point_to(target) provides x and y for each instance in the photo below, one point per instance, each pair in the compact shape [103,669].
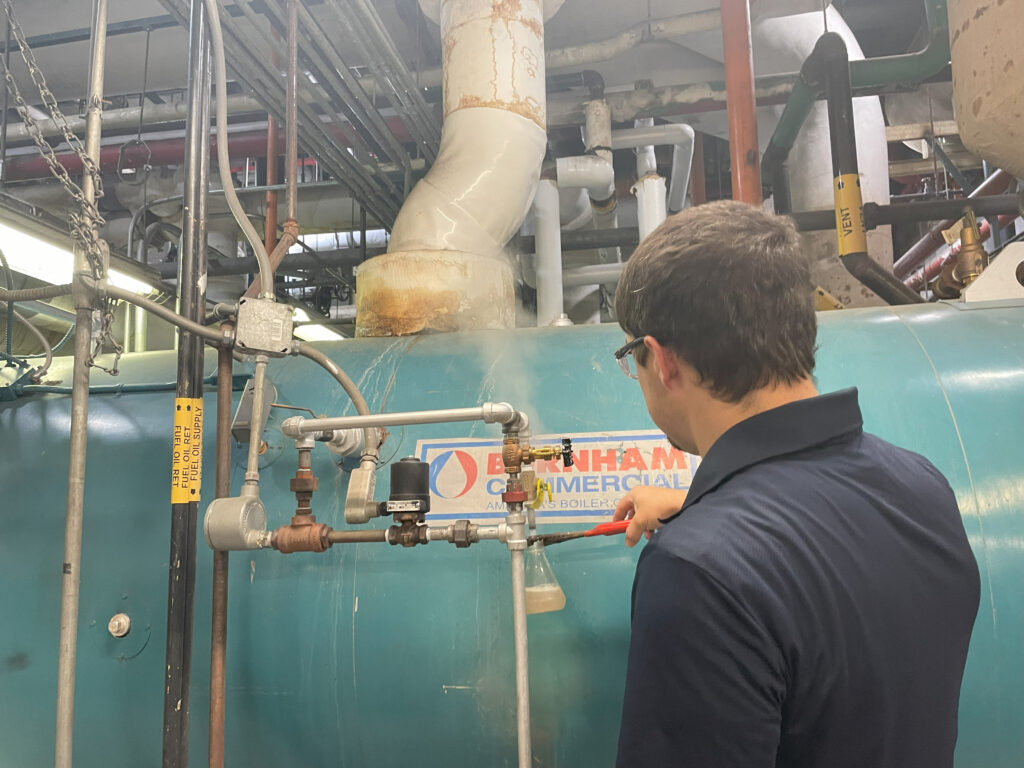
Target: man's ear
[667,366]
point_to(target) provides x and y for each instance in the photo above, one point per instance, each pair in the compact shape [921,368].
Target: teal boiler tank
[370,655]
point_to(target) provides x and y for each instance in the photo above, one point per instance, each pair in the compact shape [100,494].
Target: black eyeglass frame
[625,349]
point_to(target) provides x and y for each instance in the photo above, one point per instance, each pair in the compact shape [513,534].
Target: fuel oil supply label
[467,477]
[187,456]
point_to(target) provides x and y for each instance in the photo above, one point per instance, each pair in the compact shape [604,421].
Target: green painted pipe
[867,73]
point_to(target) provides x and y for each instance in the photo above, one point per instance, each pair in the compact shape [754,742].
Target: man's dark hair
[726,287]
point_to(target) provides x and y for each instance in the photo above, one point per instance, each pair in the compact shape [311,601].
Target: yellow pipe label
[187,456]
[849,214]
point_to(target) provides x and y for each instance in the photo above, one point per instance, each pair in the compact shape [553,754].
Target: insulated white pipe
[680,136]
[548,252]
[650,203]
[590,172]
[444,268]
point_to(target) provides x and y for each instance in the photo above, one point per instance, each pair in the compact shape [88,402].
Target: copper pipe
[698,193]
[219,620]
[744,153]
[270,223]
[995,184]
[291,111]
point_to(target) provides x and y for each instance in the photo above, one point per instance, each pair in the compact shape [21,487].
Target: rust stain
[406,312]
[976,105]
[528,107]
[512,10]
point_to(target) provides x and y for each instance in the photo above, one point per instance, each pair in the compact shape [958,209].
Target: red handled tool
[604,529]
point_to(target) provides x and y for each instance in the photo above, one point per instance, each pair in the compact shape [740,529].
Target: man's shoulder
[782,502]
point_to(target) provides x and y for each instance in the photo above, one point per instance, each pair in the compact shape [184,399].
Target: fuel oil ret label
[467,477]
[187,456]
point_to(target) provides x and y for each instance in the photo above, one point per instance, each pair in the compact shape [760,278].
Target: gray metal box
[264,326]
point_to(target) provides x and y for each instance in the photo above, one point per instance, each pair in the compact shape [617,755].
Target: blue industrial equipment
[370,655]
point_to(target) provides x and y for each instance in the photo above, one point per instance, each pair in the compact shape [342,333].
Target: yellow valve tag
[543,486]
[187,456]
[849,214]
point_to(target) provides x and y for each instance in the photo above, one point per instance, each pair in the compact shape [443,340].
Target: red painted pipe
[919,279]
[744,154]
[995,184]
[167,152]
[164,152]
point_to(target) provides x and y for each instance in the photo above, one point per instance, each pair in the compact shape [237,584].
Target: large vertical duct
[445,269]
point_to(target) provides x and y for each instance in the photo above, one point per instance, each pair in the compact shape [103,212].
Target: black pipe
[830,56]
[876,215]
[188,397]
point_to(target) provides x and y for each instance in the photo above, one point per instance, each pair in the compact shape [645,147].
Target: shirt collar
[790,428]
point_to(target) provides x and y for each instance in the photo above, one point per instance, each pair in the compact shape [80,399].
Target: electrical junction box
[263,327]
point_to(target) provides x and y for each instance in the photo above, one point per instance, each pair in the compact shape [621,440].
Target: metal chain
[85,223]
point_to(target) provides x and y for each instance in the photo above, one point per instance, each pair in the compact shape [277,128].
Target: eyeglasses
[623,355]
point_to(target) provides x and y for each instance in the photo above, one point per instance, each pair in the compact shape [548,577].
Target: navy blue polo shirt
[810,605]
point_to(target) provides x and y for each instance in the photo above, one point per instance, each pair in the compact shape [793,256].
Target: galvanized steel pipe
[489,413]
[71,569]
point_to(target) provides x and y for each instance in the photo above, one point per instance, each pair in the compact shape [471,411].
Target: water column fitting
[304,534]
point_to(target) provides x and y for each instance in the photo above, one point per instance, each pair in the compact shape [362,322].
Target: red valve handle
[608,529]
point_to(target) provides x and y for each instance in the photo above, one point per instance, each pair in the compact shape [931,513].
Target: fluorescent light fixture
[312,332]
[47,262]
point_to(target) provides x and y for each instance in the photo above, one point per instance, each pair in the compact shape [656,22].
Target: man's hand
[645,505]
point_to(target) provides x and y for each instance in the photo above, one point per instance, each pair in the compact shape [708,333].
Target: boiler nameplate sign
[467,476]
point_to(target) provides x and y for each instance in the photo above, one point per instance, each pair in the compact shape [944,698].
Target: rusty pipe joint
[303,535]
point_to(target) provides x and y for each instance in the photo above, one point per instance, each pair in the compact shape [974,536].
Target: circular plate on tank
[139,635]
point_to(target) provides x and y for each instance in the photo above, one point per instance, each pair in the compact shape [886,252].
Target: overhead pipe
[291,162]
[698,191]
[78,433]
[831,59]
[879,215]
[680,137]
[156,153]
[874,74]
[444,269]
[744,157]
[548,261]
[188,397]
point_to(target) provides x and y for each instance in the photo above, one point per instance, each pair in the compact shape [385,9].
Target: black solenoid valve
[410,489]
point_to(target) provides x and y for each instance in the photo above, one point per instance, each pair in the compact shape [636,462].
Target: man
[809,602]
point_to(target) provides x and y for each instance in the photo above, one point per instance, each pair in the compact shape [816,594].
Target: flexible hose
[36,294]
[223,163]
[47,349]
[370,449]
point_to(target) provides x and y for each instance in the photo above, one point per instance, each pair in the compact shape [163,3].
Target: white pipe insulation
[548,252]
[445,269]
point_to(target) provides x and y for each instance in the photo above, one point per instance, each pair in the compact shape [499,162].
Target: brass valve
[973,257]
[514,455]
